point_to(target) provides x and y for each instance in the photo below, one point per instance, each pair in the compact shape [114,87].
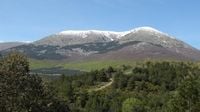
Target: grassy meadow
[79,65]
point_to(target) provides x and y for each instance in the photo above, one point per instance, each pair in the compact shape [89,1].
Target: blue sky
[30,20]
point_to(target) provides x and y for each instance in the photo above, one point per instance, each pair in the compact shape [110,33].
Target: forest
[150,86]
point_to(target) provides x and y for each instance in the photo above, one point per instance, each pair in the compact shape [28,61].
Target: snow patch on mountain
[151,30]
[111,34]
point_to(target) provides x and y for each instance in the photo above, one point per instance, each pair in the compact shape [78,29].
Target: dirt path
[104,86]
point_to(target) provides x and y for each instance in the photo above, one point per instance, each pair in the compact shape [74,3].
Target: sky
[30,20]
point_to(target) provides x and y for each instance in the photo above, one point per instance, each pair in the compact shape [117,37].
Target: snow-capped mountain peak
[72,37]
[151,30]
[83,34]
[147,28]
[142,42]
[110,34]
[79,32]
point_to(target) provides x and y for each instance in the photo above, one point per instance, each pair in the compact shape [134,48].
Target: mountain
[139,43]
[7,45]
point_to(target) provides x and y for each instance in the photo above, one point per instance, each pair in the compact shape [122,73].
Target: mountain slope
[139,43]
[78,37]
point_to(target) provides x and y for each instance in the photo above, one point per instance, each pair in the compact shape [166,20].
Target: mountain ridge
[142,42]
[70,36]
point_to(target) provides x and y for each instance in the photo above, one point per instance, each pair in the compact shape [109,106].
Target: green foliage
[148,87]
[24,92]
[187,96]
[133,105]
[151,87]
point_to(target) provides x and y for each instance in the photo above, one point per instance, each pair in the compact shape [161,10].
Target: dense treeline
[163,86]
[148,87]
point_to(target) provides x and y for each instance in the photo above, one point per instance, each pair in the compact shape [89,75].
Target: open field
[96,65]
[79,65]
[37,64]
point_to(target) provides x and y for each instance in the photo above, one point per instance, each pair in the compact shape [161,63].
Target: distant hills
[139,43]
[8,45]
